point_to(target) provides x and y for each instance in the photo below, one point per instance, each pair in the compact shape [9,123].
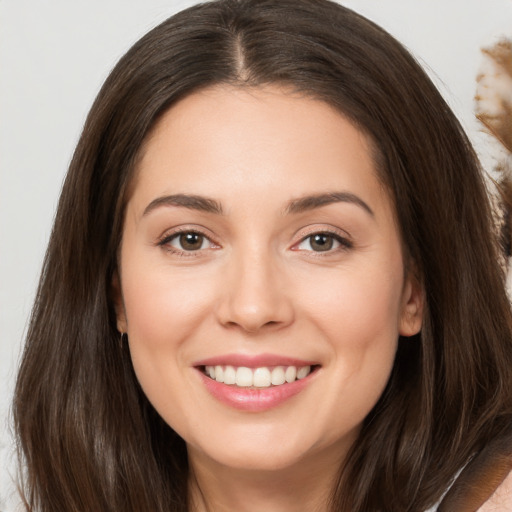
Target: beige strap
[479,479]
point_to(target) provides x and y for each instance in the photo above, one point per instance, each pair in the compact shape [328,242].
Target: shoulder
[501,500]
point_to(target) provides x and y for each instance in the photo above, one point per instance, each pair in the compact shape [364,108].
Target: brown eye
[321,242]
[187,243]
[191,241]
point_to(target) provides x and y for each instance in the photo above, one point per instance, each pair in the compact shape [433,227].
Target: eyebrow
[306,203]
[191,201]
[299,205]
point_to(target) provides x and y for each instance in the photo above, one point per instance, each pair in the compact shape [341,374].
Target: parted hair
[88,438]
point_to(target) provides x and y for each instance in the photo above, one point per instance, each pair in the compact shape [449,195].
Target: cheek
[358,316]
[352,316]
[356,307]
[163,309]
[160,301]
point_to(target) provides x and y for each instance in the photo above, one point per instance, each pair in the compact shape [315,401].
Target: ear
[117,300]
[413,300]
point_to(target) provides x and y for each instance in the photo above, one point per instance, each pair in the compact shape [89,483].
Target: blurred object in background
[494,110]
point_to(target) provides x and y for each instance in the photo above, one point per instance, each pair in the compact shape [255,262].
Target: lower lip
[253,399]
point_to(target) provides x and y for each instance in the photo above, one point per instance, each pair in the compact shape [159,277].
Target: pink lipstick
[255,383]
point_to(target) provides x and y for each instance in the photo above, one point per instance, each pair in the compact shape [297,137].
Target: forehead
[255,138]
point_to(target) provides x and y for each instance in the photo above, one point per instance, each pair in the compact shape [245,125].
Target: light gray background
[54,55]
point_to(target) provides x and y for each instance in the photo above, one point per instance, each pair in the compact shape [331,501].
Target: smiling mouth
[257,378]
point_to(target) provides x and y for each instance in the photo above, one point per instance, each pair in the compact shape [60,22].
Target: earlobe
[413,299]
[117,300]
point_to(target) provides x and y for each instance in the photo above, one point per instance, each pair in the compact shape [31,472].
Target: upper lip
[254,361]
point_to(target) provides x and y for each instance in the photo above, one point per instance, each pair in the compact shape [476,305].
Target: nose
[255,297]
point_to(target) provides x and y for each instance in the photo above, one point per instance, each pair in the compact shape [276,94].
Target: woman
[272,282]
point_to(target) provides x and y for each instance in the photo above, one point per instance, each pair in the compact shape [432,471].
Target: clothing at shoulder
[500,501]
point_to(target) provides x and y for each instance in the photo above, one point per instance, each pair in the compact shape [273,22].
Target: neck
[307,485]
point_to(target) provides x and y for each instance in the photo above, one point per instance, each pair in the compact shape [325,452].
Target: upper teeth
[258,377]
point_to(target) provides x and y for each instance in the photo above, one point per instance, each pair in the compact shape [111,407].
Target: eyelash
[165,241]
[344,243]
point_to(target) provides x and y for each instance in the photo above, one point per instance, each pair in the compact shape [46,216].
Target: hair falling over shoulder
[89,439]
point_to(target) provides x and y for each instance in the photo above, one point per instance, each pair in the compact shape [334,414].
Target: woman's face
[260,249]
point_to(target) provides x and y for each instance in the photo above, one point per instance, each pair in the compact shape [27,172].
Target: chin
[254,451]
[259,461]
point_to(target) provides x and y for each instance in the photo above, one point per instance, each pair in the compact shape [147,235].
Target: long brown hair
[88,437]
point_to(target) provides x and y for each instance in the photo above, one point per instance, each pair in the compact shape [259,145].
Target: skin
[258,285]
[501,500]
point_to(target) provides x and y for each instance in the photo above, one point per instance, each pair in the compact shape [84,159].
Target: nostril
[252,298]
